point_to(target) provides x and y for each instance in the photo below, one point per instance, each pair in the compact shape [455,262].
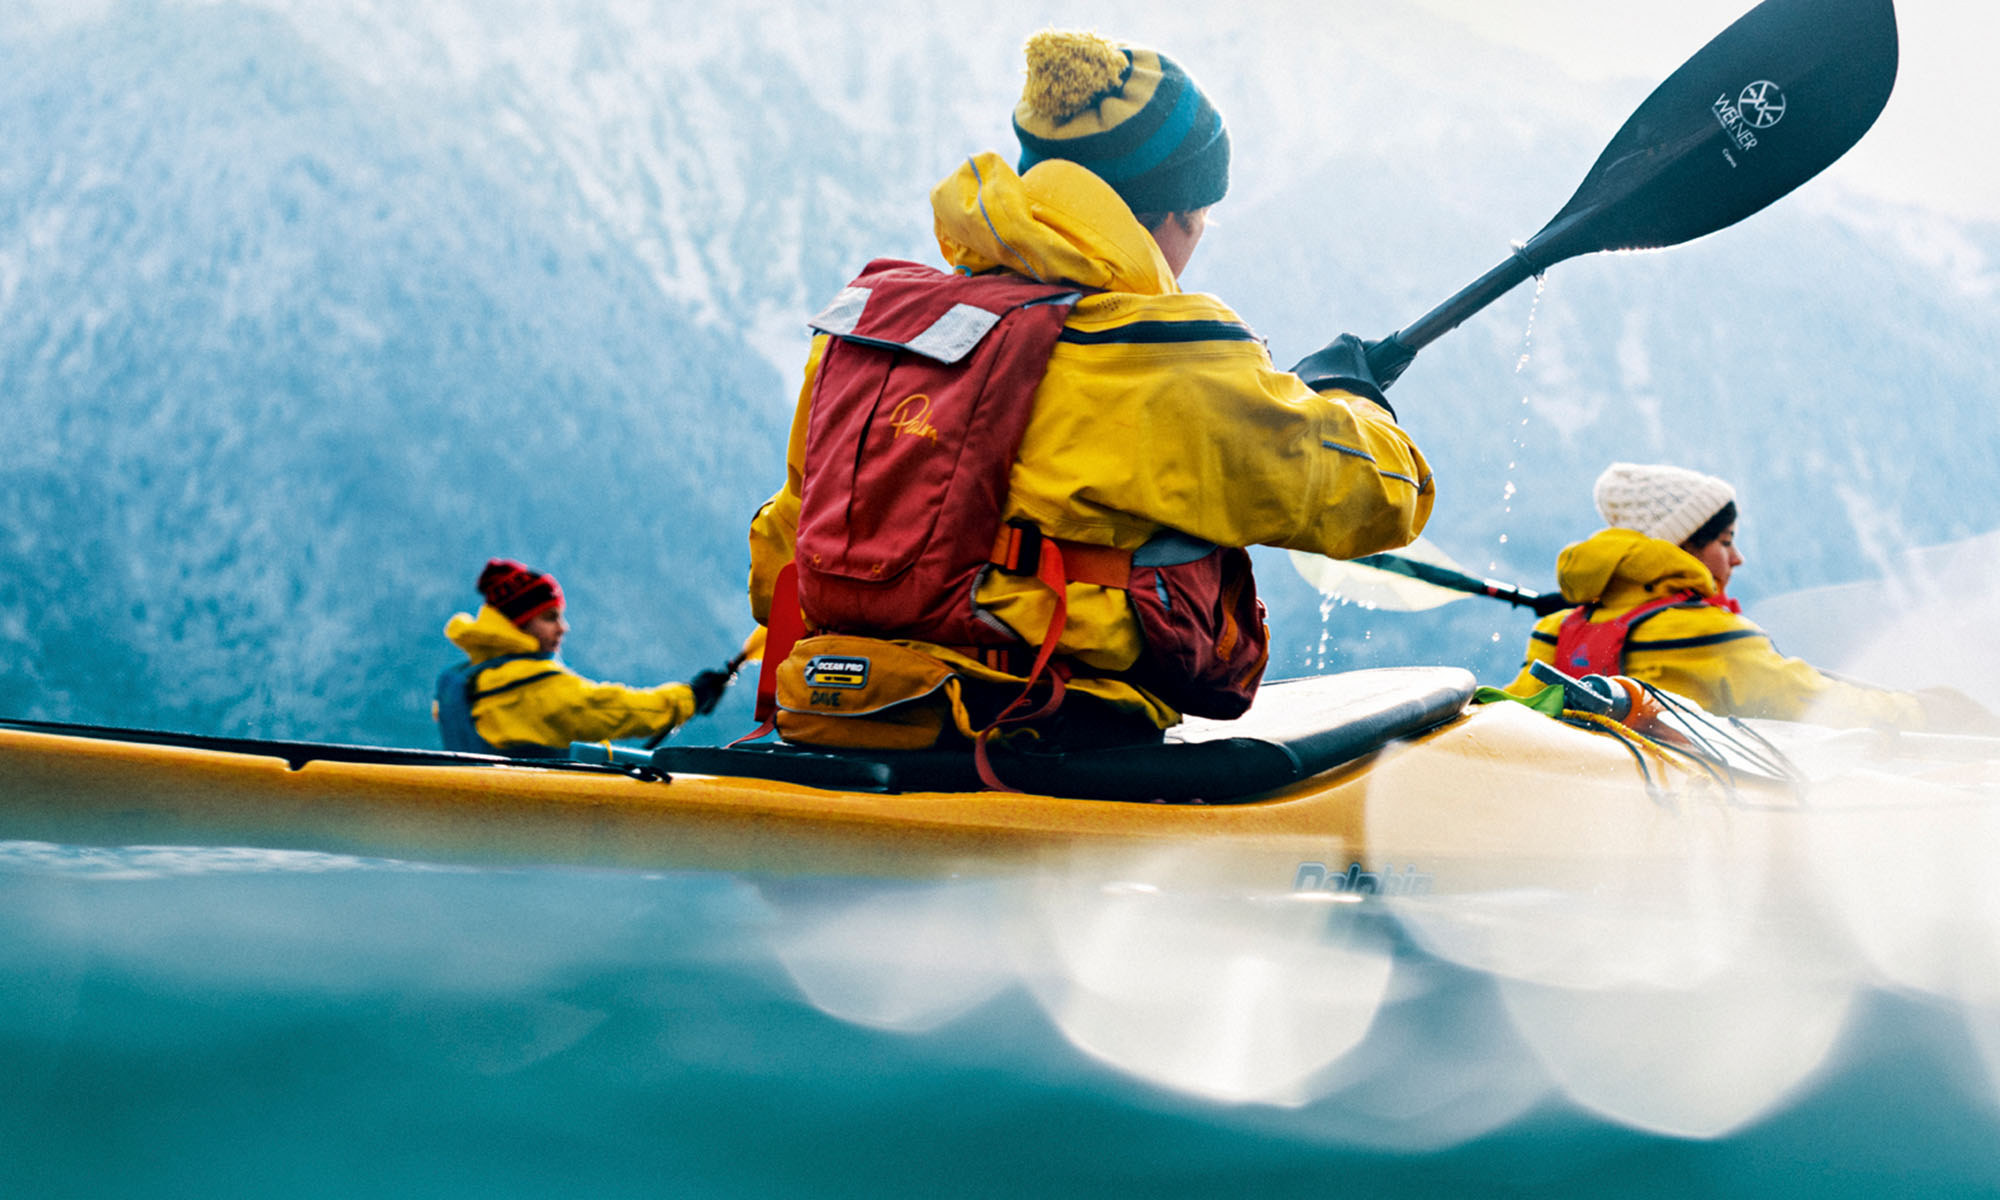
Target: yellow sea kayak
[1378,782]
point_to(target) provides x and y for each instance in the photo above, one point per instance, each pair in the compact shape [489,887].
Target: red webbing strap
[1050,571]
[782,632]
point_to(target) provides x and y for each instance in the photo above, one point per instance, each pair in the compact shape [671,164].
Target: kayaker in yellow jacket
[1160,410]
[514,696]
[1672,543]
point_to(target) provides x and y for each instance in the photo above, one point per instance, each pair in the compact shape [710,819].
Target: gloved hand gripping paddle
[708,687]
[1348,363]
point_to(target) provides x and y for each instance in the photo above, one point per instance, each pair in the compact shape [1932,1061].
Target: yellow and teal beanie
[1130,115]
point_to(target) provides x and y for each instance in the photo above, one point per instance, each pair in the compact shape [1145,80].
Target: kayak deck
[1296,729]
[1485,799]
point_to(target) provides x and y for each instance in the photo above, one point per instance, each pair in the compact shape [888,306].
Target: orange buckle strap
[1018,551]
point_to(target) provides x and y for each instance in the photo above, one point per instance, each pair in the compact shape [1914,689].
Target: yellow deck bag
[865,693]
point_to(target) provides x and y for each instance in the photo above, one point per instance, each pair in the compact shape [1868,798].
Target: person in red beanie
[513,695]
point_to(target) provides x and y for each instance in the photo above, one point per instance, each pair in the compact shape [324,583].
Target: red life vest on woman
[1587,648]
[921,399]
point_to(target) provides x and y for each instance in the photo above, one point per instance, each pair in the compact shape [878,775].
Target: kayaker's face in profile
[548,629]
[1178,235]
[1720,556]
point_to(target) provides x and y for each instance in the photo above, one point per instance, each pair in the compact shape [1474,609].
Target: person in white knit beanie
[1649,600]
[1694,511]
[1668,503]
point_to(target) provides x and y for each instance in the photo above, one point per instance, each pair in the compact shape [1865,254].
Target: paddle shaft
[734,665]
[1541,603]
[1453,312]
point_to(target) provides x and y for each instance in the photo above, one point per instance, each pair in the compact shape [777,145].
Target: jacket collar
[1058,222]
[488,635]
[1621,567]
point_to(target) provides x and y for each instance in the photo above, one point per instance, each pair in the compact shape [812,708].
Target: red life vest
[1584,647]
[922,396]
[919,406]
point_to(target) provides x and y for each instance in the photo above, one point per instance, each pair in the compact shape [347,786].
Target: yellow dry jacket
[561,708]
[1715,657]
[1160,410]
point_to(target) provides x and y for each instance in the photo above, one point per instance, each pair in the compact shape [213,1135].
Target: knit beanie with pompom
[1129,115]
[1669,503]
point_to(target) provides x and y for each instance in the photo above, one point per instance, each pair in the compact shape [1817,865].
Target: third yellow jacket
[1160,410]
[1717,658]
[563,707]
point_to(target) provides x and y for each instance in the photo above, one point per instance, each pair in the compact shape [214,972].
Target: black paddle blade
[1768,104]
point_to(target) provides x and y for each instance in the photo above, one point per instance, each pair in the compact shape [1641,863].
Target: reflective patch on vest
[949,338]
[953,335]
[843,315]
[829,671]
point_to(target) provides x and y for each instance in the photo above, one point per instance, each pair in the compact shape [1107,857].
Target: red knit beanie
[519,593]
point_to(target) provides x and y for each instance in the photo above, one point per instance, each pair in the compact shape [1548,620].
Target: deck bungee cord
[1647,719]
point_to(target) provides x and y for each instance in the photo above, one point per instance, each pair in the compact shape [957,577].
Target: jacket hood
[488,635]
[1615,566]
[1057,222]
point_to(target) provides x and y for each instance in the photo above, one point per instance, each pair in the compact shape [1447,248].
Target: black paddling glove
[708,687]
[1352,365]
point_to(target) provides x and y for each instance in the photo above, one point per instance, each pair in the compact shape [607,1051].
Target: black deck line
[298,754]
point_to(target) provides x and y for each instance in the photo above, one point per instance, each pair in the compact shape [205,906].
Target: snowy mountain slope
[310,306]
[283,369]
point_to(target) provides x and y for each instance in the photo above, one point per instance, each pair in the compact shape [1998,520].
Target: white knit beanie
[1668,503]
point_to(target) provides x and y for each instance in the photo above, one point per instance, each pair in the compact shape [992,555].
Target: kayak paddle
[1771,102]
[1418,577]
[752,651]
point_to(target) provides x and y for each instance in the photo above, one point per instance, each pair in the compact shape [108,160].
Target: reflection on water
[1231,1003]
[230,1021]
[1697,1061]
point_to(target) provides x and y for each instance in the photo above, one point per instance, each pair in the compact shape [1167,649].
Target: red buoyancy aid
[923,394]
[918,409]
[1584,647]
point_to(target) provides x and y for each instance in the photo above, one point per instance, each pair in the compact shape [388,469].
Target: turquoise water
[218,1022]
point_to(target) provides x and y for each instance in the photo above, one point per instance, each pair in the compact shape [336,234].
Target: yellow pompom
[1067,70]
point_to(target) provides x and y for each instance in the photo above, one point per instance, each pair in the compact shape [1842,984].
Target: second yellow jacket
[1717,658]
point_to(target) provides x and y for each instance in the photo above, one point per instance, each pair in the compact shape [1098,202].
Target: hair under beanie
[1669,503]
[521,594]
[1131,116]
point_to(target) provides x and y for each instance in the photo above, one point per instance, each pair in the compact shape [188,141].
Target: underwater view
[1814,1018]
